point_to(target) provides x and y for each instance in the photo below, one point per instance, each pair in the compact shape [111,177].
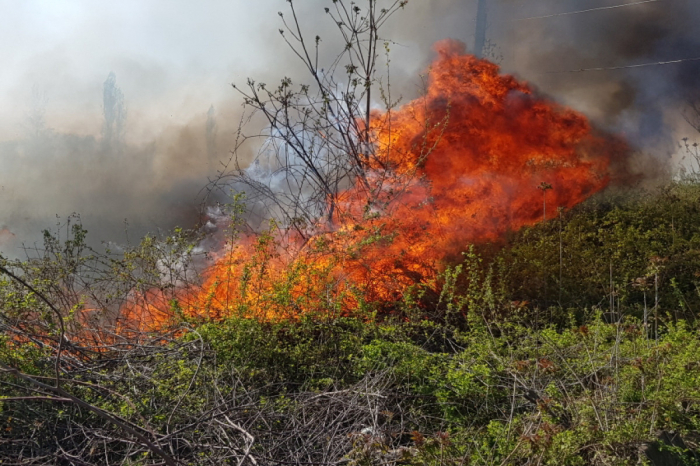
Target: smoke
[644,102]
[120,187]
[120,112]
[114,115]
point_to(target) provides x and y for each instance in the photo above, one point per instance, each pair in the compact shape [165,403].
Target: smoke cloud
[121,111]
[644,103]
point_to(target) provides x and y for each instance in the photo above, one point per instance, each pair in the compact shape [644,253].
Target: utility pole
[480,34]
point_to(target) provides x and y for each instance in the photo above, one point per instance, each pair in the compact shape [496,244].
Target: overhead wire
[609,68]
[612,68]
[623,5]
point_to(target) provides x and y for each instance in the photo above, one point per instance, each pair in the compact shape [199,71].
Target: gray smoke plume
[67,144]
[121,188]
[590,60]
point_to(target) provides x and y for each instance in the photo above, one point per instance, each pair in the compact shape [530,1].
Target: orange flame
[464,163]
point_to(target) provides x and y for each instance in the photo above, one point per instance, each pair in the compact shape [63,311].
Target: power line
[641,65]
[586,11]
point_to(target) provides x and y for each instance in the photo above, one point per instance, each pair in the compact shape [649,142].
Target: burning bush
[462,164]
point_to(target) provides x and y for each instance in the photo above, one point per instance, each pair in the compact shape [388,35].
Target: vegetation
[574,341]
[486,371]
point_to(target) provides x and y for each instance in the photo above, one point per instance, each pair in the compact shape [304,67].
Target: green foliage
[306,355]
[633,246]
[477,367]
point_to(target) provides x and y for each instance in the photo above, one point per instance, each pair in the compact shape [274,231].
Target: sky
[173,63]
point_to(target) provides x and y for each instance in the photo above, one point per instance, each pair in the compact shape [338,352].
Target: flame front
[462,164]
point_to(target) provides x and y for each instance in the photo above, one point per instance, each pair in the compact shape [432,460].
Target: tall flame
[465,164]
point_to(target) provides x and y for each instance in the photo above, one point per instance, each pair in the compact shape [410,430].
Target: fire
[460,165]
